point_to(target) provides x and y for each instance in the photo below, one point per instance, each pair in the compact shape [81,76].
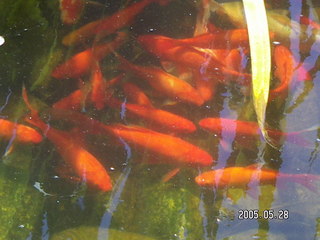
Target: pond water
[115,143]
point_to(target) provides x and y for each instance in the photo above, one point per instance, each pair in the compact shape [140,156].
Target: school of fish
[187,73]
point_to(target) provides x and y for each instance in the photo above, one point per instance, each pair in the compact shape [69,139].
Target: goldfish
[201,59]
[81,63]
[285,64]
[19,132]
[75,101]
[242,176]
[80,97]
[98,87]
[136,95]
[109,24]
[164,82]
[224,39]
[248,129]
[84,164]
[283,27]
[170,149]
[71,10]
[307,21]
[205,84]
[156,117]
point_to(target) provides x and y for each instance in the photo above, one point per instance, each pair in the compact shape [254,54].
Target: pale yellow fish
[260,52]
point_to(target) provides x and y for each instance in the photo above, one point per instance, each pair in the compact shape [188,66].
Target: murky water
[152,148]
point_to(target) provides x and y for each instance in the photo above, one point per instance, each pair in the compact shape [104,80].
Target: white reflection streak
[10,144]
[123,109]
[228,134]
[115,196]
[204,217]
[45,228]
[7,99]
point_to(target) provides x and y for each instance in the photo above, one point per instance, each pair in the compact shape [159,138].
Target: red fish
[242,176]
[74,101]
[307,21]
[19,132]
[84,164]
[81,63]
[136,95]
[109,24]
[71,10]
[171,149]
[156,117]
[98,87]
[200,59]
[167,148]
[164,82]
[205,84]
[78,99]
[285,64]
[248,129]
[225,39]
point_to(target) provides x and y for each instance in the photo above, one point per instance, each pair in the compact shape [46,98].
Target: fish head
[206,179]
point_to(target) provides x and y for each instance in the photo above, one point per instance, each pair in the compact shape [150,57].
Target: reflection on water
[153,90]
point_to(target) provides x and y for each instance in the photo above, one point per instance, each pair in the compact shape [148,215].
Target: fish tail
[34,119]
[299,140]
[27,102]
[308,181]
[170,175]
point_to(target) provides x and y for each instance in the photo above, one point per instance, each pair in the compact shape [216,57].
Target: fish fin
[170,175]
[34,112]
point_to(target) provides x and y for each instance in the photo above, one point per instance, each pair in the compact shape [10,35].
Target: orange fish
[248,129]
[19,132]
[164,82]
[205,84]
[78,99]
[84,164]
[109,24]
[244,128]
[136,95]
[71,10]
[81,63]
[74,101]
[307,21]
[156,117]
[170,149]
[225,39]
[242,176]
[285,64]
[199,59]
[98,87]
